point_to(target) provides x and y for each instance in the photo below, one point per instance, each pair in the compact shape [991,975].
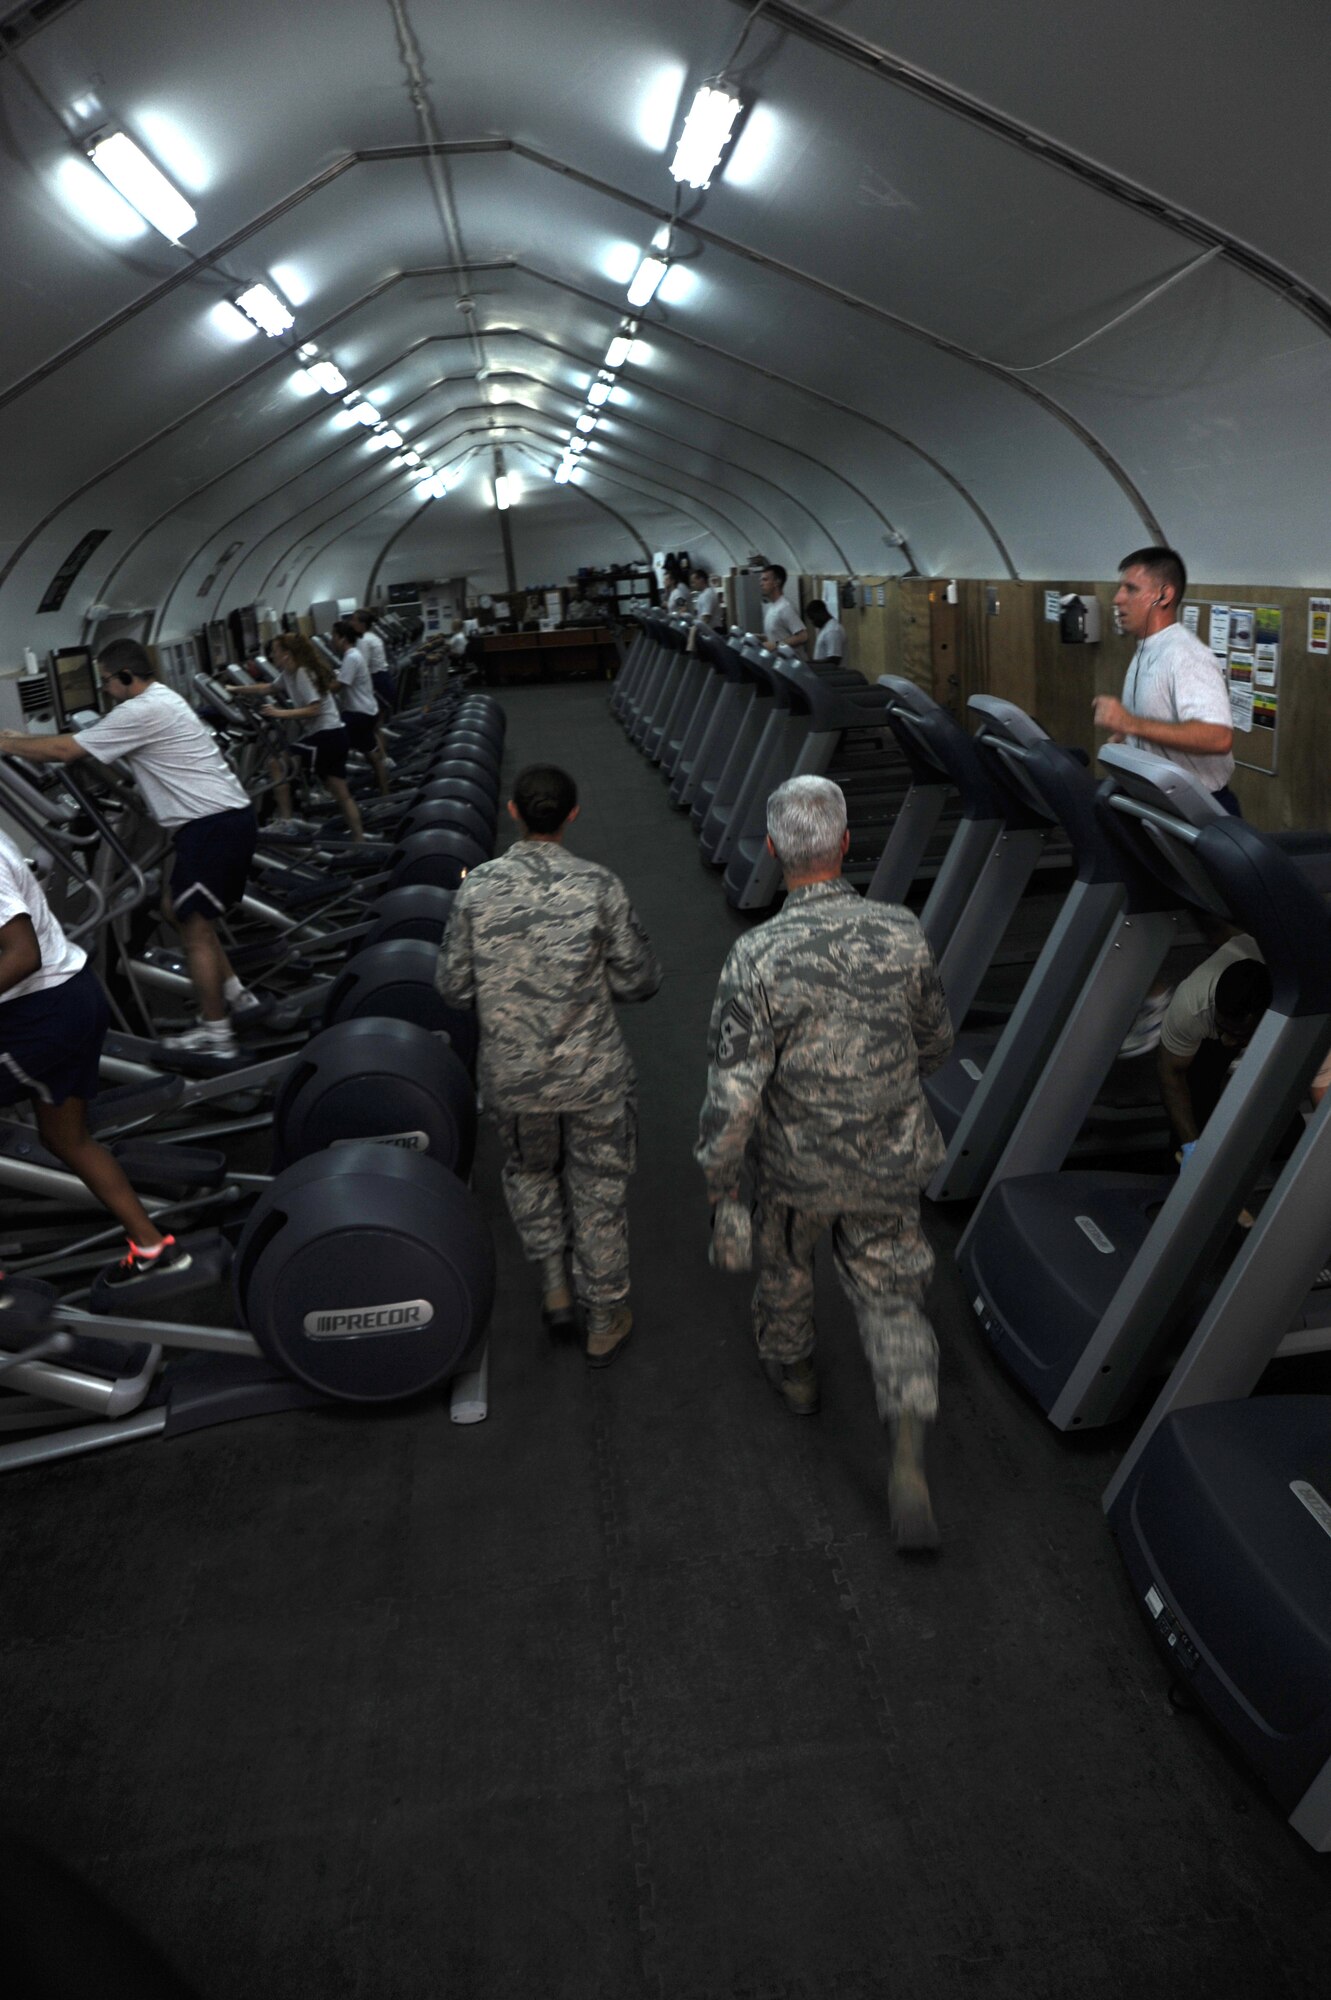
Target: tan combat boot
[913,1524]
[796,1383]
[608,1330]
[557,1311]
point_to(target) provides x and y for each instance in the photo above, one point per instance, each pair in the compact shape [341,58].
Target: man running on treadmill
[192,793]
[1175,701]
[53,1021]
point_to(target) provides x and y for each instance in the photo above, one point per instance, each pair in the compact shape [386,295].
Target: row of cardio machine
[1112,1296]
[360,1267]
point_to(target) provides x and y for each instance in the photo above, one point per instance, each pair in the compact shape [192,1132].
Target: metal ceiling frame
[455,148]
[861,53]
[428,272]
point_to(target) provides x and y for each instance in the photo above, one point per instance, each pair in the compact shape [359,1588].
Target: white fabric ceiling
[846,366]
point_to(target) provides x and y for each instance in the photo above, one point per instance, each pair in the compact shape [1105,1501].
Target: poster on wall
[1240,690]
[1319,625]
[1192,618]
[1053,607]
[1242,627]
[1219,641]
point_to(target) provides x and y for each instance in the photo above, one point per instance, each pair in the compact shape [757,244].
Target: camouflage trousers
[566,1177]
[883,1265]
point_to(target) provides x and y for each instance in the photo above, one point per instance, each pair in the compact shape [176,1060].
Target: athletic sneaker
[137,1265]
[245,1002]
[205,1041]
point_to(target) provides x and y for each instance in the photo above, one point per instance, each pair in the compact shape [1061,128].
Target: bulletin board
[1247,640]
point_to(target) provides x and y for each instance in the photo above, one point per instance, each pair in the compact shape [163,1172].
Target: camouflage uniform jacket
[542,943]
[824,1021]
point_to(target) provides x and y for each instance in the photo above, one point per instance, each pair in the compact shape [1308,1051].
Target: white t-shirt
[355,688]
[831,641]
[680,599]
[1174,677]
[707,607]
[301,691]
[1190,1017]
[21,896]
[371,647]
[175,762]
[457,644]
[780,621]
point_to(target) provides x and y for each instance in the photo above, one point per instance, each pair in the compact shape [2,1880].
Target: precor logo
[361,1322]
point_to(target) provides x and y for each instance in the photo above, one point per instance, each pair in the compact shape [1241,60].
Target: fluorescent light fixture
[261,304]
[304,383]
[618,351]
[394,463]
[706,133]
[586,423]
[365,413]
[661,240]
[294,286]
[393,437]
[563,472]
[646,279]
[143,185]
[308,351]
[598,393]
[501,493]
[412,457]
[328,377]
[376,443]
[577,444]
[230,321]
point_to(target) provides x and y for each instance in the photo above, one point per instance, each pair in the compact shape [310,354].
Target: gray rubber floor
[624,1692]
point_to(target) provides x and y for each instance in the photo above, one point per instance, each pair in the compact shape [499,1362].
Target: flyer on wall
[1240,690]
[1319,625]
[1242,623]
[1219,630]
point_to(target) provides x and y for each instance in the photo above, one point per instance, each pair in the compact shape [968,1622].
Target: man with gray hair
[824,1021]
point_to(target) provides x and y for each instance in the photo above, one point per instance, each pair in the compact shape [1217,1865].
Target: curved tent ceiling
[973,293]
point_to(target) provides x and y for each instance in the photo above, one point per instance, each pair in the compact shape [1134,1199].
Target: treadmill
[979,1092]
[673,637]
[705,749]
[664,738]
[694,711]
[631,670]
[715,800]
[813,709]
[655,660]
[1082,1281]
[943,758]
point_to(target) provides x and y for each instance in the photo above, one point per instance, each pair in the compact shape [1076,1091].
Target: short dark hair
[544,796]
[1166,566]
[1243,990]
[777,571]
[815,612]
[698,570]
[345,630]
[126,656]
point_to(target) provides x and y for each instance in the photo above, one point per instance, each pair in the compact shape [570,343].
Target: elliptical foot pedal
[209,1264]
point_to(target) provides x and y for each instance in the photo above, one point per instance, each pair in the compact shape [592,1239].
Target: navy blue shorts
[325,752]
[360,730]
[51,1042]
[385,686]
[212,863]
